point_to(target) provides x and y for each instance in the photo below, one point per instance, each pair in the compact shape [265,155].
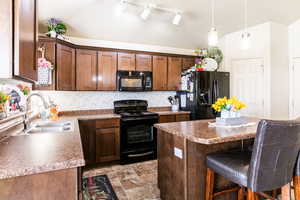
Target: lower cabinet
[100,140]
[107,144]
[174,118]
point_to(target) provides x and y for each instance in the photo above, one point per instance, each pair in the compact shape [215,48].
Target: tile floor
[131,182]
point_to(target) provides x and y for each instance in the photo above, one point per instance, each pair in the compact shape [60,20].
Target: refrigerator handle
[215,90]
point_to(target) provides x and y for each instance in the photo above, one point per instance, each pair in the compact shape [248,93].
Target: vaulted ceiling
[96,19]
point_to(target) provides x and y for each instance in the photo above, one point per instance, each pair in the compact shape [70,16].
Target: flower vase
[230,114]
[53,34]
[3,113]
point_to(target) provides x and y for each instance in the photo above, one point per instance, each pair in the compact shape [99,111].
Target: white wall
[268,42]
[104,100]
[6,39]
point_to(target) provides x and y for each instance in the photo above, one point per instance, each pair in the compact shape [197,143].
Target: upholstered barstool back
[275,150]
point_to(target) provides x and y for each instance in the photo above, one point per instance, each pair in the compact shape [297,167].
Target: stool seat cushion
[232,165]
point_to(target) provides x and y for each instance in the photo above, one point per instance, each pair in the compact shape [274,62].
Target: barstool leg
[210,176]
[241,194]
[250,195]
[285,192]
[296,181]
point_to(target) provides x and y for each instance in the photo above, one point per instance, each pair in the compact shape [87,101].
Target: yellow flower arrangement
[232,104]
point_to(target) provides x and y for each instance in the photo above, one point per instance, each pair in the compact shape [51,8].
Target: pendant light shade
[213,38]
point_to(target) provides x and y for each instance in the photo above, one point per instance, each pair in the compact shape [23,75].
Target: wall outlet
[178,152]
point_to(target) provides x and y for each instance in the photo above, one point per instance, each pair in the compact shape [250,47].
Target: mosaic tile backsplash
[104,100]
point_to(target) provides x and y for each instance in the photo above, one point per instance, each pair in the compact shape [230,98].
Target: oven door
[138,138]
[131,83]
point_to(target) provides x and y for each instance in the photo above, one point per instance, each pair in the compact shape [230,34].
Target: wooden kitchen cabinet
[174,73]
[86,69]
[174,118]
[187,63]
[107,70]
[126,61]
[160,73]
[88,140]
[107,144]
[25,38]
[143,62]
[65,67]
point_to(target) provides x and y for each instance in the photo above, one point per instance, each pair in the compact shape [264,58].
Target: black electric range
[138,138]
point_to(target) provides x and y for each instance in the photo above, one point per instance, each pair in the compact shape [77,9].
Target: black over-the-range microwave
[134,81]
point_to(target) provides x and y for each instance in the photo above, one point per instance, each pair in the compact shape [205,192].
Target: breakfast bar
[182,150]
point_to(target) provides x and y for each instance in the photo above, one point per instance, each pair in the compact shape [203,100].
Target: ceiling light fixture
[213,38]
[177,18]
[122,5]
[146,13]
[245,44]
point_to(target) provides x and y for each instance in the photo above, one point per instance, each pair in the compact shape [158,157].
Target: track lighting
[146,13]
[245,41]
[177,19]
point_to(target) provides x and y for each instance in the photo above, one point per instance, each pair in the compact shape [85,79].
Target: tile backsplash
[71,100]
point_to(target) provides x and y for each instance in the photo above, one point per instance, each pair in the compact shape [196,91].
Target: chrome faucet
[46,106]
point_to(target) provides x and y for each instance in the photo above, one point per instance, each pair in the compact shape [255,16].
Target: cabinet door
[160,71]
[187,63]
[143,62]
[65,68]
[107,70]
[174,73]
[25,38]
[126,61]
[87,133]
[86,69]
[107,144]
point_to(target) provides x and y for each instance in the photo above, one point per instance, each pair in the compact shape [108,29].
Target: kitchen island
[182,150]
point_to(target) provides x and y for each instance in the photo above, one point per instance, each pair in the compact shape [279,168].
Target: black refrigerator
[200,90]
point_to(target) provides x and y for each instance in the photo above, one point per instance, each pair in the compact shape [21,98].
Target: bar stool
[268,167]
[296,179]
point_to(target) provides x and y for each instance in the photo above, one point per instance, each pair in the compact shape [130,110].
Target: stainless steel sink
[50,127]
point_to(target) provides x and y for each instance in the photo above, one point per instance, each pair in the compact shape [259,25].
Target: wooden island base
[182,176]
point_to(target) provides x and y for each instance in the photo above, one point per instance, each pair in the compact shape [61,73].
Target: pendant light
[245,44]
[213,34]
[177,18]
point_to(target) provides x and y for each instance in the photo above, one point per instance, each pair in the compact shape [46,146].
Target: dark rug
[98,187]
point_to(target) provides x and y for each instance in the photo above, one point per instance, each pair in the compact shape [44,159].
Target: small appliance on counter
[138,136]
[134,81]
[200,90]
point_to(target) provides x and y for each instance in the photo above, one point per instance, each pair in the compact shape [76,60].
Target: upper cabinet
[107,70]
[160,73]
[143,62]
[188,63]
[86,69]
[65,67]
[126,61]
[174,73]
[25,39]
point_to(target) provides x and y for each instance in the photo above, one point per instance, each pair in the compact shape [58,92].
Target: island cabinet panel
[160,73]
[174,73]
[107,144]
[107,70]
[65,67]
[182,117]
[187,63]
[174,118]
[143,62]
[86,69]
[126,61]
[25,38]
[60,184]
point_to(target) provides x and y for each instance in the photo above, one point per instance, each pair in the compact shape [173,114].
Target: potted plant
[56,28]
[229,108]
[3,99]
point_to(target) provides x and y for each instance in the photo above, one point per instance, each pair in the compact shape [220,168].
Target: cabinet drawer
[182,117]
[167,118]
[107,123]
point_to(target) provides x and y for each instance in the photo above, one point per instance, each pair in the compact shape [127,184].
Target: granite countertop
[199,131]
[41,152]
